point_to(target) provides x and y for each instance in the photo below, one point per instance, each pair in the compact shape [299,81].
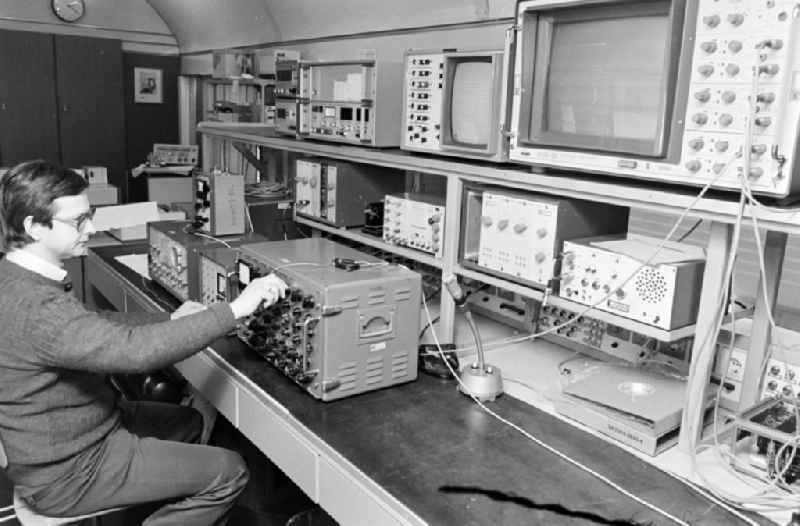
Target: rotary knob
[769,69]
[732,69]
[734,46]
[700,118]
[755,173]
[763,121]
[502,224]
[693,166]
[735,19]
[696,144]
[772,43]
[520,228]
[728,97]
[486,221]
[718,167]
[703,96]
[725,119]
[711,21]
[709,47]
[540,257]
[721,146]
[542,233]
[758,149]
[766,98]
[706,70]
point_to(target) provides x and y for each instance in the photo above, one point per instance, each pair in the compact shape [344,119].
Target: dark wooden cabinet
[91,109]
[61,98]
[28,115]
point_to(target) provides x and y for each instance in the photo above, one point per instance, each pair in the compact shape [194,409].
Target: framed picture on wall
[147,84]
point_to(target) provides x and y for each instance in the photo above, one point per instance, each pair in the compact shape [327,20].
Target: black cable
[428,326]
[689,232]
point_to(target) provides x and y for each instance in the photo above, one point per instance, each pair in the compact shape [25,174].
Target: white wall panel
[132,21]
[203,25]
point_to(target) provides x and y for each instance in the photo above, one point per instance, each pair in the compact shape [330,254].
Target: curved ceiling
[202,25]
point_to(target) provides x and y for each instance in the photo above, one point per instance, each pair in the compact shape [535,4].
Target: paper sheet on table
[642,249]
[135,262]
[124,216]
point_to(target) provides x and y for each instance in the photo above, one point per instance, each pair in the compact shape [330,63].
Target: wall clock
[68,10]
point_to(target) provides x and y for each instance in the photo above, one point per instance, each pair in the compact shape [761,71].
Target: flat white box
[140,231]
[102,194]
[627,432]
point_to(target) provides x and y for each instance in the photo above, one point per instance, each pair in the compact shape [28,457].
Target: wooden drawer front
[213,383]
[270,433]
[99,278]
[348,501]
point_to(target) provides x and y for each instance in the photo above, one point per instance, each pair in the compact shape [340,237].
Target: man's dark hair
[29,189]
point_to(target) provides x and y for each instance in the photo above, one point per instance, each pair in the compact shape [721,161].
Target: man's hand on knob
[263,291]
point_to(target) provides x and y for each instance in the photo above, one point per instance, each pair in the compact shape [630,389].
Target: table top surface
[451,462]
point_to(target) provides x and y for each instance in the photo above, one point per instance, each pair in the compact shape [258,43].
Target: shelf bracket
[258,164]
[761,331]
[720,245]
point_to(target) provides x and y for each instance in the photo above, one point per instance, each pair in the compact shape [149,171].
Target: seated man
[71,448]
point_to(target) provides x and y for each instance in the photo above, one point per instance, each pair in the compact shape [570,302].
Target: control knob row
[731,69]
[694,166]
[727,96]
[518,227]
[726,119]
[710,46]
[735,19]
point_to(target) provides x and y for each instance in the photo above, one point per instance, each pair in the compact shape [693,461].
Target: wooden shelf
[355,234]
[660,198]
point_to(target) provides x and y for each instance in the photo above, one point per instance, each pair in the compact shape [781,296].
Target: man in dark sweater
[72,448]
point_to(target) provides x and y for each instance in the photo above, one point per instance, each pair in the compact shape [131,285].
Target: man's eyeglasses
[80,222]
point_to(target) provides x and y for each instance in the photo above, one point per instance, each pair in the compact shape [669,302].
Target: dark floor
[270,498]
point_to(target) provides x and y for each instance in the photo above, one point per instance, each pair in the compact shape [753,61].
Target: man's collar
[34,263]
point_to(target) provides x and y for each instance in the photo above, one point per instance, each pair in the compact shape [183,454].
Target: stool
[27,517]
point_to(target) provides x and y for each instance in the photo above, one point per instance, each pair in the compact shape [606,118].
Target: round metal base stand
[485,385]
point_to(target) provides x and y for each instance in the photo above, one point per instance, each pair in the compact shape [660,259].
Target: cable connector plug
[454,289]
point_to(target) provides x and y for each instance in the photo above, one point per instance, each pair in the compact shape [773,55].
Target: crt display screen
[606,78]
[471,109]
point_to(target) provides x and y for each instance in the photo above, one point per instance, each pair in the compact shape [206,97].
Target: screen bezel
[537,36]
[451,62]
